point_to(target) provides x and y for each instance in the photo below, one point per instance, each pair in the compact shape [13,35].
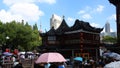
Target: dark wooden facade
[79,40]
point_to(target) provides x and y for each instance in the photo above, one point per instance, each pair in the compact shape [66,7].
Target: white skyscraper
[55,21]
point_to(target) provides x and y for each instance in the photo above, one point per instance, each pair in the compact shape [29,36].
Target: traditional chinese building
[81,39]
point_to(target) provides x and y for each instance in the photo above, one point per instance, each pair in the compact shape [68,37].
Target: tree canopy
[109,39]
[21,35]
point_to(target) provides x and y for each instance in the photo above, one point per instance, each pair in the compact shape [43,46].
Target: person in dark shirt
[38,65]
[53,66]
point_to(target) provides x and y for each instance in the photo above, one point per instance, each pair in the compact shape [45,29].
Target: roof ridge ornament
[63,17]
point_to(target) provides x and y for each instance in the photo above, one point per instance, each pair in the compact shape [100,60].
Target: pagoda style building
[81,39]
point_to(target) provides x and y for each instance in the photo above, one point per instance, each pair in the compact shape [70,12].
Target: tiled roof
[77,26]
[62,28]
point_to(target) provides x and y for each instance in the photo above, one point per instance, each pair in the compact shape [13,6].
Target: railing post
[96,53]
[72,53]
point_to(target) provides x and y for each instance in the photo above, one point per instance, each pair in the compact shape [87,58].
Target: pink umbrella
[50,57]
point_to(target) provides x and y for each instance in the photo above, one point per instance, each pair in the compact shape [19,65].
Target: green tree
[22,36]
[36,39]
[109,39]
[35,27]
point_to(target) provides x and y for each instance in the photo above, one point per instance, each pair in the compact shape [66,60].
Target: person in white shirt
[15,63]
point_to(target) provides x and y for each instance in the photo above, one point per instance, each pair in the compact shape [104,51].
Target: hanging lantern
[16,51]
[81,50]
[7,50]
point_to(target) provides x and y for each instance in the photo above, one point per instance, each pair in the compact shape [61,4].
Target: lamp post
[5,44]
[7,38]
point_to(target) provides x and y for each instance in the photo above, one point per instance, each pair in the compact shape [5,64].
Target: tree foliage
[21,36]
[109,39]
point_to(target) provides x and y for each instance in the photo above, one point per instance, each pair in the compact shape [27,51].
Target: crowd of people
[50,65]
[85,63]
[16,60]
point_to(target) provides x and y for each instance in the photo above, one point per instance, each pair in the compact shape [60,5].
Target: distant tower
[107,27]
[40,28]
[117,4]
[55,21]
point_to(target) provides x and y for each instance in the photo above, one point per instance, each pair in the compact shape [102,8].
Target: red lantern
[81,50]
[16,51]
[7,50]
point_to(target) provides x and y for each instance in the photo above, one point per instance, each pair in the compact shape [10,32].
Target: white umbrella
[21,53]
[7,54]
[115,64]
[112,55]
[115,56]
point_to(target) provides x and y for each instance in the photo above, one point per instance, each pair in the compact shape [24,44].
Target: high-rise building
[55,21]
[107,27]
[108,32]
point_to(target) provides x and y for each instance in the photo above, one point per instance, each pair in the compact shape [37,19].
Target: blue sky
[96,12]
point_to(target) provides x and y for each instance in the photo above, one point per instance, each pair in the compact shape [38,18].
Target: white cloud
[87,8]
[29,12]
[111,30]
[70,19]
[86,16]
[7,16]
[99,8]
[87,12]
[81,12]
[94,25]
[47,1]
[21,11]
[11,2]
[112,17]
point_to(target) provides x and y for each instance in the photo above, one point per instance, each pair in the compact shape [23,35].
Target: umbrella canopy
[21,53]
[78,58]
[7,54]
[112,55]
[115,64]
[50,57]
